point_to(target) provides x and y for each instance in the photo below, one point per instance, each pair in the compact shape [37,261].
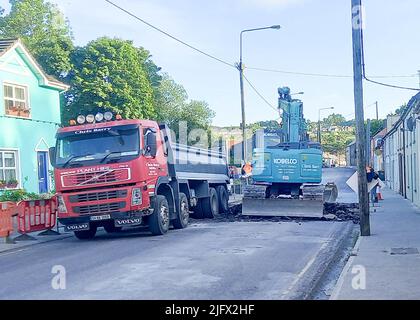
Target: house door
[401,173]
[43,171]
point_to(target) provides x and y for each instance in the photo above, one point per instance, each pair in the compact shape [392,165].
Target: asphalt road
[209,260]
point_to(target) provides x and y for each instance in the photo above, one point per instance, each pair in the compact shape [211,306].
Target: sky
[315,38]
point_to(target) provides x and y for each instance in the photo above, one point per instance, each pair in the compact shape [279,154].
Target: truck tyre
[159,220]
[111,228]
[198,212]
[183,214]
[223,199]
[210,205]
[86,234]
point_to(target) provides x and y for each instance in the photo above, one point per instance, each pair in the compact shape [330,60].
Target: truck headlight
[136,197]
[61,205]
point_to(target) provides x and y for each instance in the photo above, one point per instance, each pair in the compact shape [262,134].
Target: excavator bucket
[330,193]
[309,205]
[283,208]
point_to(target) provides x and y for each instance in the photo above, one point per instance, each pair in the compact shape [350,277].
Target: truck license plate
[99,218]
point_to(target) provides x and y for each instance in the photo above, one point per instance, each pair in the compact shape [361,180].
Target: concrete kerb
[10,246]
[340,282]
[307,281]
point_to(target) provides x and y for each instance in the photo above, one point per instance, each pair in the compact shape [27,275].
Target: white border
[28,98]
[18,167]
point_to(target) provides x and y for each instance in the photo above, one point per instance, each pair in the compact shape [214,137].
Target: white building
[402,152]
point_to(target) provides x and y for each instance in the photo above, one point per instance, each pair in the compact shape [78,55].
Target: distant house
[377,150]
[29,117]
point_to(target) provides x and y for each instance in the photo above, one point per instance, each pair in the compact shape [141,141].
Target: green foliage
[270,124]
[336,142]
[106,74]
[110,74]
[44,31]
[21,194]
[376,126]
[400,110]
[173,107]
[333,120]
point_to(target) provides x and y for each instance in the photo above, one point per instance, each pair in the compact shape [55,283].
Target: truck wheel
[111,228]
[159,220]
[183,216]
[223,199]
[211,205]
[86,234]
[198,212]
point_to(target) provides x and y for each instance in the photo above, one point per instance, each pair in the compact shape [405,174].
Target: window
[8,169]
[16,100]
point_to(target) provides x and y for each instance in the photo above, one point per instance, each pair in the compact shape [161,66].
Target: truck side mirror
[151,144]
[52,155]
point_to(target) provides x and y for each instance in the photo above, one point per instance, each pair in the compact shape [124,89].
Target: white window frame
[16,167]
[26,100]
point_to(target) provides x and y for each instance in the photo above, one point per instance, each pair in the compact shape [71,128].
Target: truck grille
[97,196]
[100,208]
[93,178]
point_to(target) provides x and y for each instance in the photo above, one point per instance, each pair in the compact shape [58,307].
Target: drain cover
[404,251]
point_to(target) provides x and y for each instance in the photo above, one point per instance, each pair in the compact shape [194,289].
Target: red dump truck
[114,173]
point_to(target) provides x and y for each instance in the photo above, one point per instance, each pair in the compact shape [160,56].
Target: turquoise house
[29,118]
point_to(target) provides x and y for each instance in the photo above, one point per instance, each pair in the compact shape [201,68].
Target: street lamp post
[319,122]
[241,75]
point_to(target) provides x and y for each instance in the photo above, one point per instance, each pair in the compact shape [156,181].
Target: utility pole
[244,140]
[357,26]
[368,145]
[377,111]
[241,68]
[418,71]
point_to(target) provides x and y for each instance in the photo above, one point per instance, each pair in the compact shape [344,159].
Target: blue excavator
[287,169]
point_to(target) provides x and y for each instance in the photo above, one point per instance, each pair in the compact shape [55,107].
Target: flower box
[12,184]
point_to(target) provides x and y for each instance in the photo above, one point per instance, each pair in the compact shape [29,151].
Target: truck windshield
[93,147]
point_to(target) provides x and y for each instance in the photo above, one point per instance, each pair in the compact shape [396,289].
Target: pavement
[386,264]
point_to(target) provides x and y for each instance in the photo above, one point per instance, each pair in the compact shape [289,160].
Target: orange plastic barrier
[37,215]
[7,210]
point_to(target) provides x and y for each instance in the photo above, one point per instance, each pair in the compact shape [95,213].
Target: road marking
[12,252]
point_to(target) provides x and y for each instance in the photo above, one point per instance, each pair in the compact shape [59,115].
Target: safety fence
[7,211]
[31,215]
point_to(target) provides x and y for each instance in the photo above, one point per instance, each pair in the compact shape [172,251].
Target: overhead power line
[324,75]
[367,107]
[364,68]
[170,36]
[260,95]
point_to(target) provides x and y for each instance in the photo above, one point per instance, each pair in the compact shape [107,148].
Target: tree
[400,110]
[376,126]
[45,32]
[110,75]
[336,142]
[333,120]
[173,107]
